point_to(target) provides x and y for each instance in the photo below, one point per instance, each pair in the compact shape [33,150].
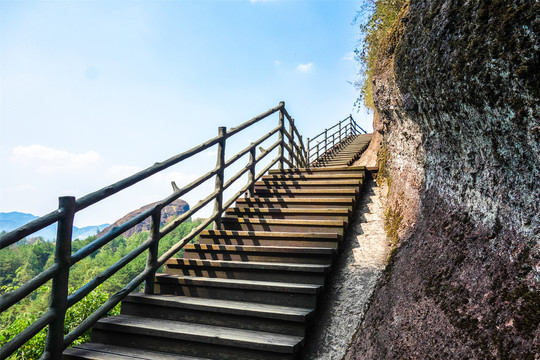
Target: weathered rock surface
[459,99]
[168,213]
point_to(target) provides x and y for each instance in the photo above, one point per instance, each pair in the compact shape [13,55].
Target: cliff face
[168,213]
[458,94]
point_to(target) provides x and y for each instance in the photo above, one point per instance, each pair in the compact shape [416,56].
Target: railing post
[151,260]
[325,140]
[218,203]
[308,144]
[302,152]
[251,174]
[351,124]
[291,141]
[340,131]
[281,131]
[54,344]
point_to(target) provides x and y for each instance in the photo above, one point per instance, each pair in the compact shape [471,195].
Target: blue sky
[91,92]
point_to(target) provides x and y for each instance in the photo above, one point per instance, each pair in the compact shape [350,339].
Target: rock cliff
[168,213]
[458,97]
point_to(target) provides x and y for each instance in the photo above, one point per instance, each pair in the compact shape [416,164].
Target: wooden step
[313,170]
[97,351]
[288,225]
[309,184]
[249,270]
[279,254]
[199,340]
[302,193]
[264,292]
[298,213]
[298,202]
[316,176]
[236,314]
[269,238]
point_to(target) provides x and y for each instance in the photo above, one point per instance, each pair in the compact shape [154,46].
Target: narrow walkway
[361,261]
[346,152]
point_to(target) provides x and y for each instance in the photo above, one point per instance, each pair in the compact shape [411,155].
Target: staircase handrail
[288,141]
[346,127]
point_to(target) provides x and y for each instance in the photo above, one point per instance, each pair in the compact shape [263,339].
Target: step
[308,184]
[302,193]
[264,292]
[316,176]
[299,202]
[288,225]
[279,254]
[97,351]
[269,238]
[218,312]
[200,340]
[298,213]
[336,169]
[249,270]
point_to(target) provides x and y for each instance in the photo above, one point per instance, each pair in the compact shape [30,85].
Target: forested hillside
[22,261]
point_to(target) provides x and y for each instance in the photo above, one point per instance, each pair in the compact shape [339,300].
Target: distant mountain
[170,212]
[12,220]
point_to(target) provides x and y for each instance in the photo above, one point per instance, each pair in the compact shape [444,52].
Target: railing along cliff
[343,129]
[289,142]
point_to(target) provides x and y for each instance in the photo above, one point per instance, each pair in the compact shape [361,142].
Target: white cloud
[50,161]
[277,62]
[305,67]
[348,56]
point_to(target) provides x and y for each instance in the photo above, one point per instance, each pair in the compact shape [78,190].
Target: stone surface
[362,259]
[459,97]
[168,213]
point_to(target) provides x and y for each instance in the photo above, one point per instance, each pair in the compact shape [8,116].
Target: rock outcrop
[458,93]
[168,213]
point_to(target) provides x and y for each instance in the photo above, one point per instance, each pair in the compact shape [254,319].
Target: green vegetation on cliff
[377,20]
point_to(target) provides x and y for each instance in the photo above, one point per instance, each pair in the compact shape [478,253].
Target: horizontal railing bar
[322,133]
[291,165]
[356,124]
[179,245]
[287,147]
[106,274]
[251,146]
[106,307]
[105,192]
[25,335]
[175,195]
[295,130]
[12,237]
[247,167]
[255,120]
[246,187]
[176,222]
[109,236]
[291,140]
[9,299]
[322,141]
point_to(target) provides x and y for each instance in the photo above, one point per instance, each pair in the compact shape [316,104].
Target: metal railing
[343,129]
[288,141]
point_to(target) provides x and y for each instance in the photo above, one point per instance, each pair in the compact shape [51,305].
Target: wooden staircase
[247,291]
[346,152]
